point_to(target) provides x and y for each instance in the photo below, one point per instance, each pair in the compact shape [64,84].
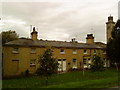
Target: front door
[15,65]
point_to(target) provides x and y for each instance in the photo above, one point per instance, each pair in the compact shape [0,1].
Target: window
[64,64]
[104,52]
[59,59]
[95,51]
[64,59]
[105,64]
[15,50]
[60,65]
[33,50]
[89,61]
[32,62]
[74,51]
[74,63]
[62,51]
[84,61]
[69,63]
[85,51]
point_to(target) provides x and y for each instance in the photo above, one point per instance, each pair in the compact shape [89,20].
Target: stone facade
[22,54]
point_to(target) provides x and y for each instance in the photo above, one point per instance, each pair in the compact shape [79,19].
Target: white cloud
[13,22]
[58,19]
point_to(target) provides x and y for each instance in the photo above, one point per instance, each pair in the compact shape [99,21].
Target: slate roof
[101,44]
[58,44]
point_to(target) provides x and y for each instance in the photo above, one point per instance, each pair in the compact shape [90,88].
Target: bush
[27,73]
[48,64]
[72,69]
[97,64]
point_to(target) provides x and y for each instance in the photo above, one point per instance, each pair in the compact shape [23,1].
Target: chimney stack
[90,39]
[34,34]
[74,41]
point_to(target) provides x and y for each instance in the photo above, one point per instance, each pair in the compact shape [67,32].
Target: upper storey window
[62,51]
[95,51]
[33,50]
[104,51]
[74,51]
[85,51]
[15,50]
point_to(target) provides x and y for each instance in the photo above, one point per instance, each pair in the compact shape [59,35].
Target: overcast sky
[59,19]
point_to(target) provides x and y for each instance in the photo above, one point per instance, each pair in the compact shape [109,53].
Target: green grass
[102,83]
[102,79]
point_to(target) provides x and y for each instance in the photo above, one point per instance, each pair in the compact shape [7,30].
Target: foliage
[48,64]
[97,64]
[27,73]
[113,46]
[8,36]
[73,69]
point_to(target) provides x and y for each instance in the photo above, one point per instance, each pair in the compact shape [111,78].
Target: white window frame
[75,66]
[105,62]
[33,50]
[104,51]
[60,65]
[62,52]
[89,61]
[32,63]
[74,51]
[84,59]
[85,52]
[15,50]
[95,51]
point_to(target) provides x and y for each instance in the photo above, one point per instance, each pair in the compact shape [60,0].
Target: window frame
[62,51]
[74,51]
[104,51]
[85,51]
[15,50]
[32,64]
[33,50]
[84,61]
[74,63]
[95,51]
[89,61]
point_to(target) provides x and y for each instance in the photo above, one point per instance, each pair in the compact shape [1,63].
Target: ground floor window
[74,63]
[62,65]
[86,62]
[32,62]
[105,65]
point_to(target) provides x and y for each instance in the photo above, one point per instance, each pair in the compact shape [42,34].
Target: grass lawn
[104,79]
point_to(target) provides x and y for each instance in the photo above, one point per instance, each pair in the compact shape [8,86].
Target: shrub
[97,64]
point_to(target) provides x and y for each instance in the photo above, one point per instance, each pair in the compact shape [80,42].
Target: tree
[97,64]
[113,46]
[48,64]
[8,36]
